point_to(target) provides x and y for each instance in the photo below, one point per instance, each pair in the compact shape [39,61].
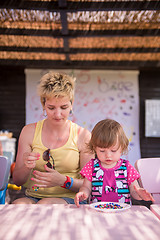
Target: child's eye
[102,151]
[114,150]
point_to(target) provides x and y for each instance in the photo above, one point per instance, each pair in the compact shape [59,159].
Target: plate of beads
[110,206]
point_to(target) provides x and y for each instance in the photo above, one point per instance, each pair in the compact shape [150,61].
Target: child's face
[109,156]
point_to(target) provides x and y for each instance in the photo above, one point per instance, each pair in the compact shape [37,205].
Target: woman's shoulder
[83,137]
[83,132]
[28,130]
[29,126]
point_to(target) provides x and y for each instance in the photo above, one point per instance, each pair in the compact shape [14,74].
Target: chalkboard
[152,118]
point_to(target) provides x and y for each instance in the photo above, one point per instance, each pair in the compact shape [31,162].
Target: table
[155,208]
[67,222]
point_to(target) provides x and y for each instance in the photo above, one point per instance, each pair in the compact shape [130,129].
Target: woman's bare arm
[84,138]
[25,159]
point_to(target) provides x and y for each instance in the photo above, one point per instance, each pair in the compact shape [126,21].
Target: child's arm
[139,193]
[84,192]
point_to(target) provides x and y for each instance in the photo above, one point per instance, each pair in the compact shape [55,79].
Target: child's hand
[144,194]
[80,196]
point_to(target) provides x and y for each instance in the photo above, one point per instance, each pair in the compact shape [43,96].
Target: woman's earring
[44,114]
[71,112]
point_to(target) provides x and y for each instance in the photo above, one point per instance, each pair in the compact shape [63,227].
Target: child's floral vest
[121,188]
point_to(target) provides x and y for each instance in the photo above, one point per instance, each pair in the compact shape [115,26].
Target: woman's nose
[57,112]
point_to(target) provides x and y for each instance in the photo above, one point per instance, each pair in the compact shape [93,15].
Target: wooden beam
[81,6]
[79,33]
[81,64]
[78,50]
[62,3]
[64,22]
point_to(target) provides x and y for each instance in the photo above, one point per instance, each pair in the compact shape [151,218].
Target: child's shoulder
[124,161]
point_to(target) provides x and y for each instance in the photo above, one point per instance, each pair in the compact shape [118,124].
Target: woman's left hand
[50,178]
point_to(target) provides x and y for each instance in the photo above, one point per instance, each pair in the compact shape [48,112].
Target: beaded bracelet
[71,183]
[68,183]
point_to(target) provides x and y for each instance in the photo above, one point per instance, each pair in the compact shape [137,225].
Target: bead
[109,206]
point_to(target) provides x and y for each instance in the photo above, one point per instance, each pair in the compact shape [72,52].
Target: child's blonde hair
[54,84]
[106,133]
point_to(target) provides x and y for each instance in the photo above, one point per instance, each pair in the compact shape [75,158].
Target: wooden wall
[12,104]
[149,88]
[12,99]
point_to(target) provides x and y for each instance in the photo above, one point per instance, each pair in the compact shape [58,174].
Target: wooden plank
[82,6]
[80,33]
[78,50]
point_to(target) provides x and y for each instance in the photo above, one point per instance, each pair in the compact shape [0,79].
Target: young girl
[108,177]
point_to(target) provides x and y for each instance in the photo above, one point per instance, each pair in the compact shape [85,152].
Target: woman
[56,140]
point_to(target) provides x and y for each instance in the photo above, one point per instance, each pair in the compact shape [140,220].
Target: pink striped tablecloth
[155,208]
[67,222]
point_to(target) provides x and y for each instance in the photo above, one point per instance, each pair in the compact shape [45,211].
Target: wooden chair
[149,169]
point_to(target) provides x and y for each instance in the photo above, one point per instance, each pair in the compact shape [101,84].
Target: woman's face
[58,109]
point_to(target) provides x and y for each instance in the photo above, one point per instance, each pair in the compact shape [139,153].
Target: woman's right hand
[30,159]
[49,178]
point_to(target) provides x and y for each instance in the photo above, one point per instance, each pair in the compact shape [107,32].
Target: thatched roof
[80,34]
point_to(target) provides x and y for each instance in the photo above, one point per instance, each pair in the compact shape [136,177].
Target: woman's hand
[50,178]
[30,159]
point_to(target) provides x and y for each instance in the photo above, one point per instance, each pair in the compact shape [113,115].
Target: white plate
[100,206]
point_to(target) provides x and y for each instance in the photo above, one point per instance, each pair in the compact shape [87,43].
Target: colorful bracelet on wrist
[68,183]
[71,183]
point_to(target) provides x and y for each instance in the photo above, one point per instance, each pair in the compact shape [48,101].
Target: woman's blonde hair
[54,84]
[106,133]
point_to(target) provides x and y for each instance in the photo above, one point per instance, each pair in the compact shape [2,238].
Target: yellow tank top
[66,160]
